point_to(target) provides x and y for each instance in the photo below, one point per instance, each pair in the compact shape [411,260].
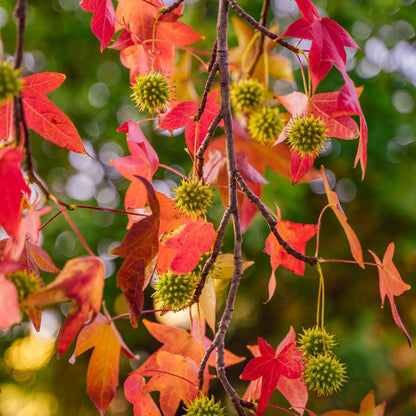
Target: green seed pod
[265,125]
[174,291]
[26,283]
[151,92]
[324,374]
[202,406]
[307,135]
[10,82]
[247,95]
[316,341]
[193,197]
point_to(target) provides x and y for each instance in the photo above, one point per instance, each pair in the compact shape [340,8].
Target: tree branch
[266,32]
[272,222]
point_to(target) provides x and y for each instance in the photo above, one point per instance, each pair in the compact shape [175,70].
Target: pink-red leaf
[102,23]
[391,285]
[328,38]
[82,282]
[9,304]
[143,404]
[13,186]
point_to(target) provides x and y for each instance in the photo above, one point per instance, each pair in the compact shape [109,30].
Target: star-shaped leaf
[271,366]
[328,38]
[41,115]
[103,366]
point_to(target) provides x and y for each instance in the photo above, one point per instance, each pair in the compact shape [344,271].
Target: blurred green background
[381,209]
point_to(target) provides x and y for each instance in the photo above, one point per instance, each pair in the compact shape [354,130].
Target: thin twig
[256,25]
[272,222]
[263,22]
[207,89]
[199,155]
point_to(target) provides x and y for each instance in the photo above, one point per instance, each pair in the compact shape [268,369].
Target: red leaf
[328,38]
[299,165]
[188,242]
[334,204]
[348,104]
[102,23]
[82,281]
[270,366]
[391,285]
[13,186]
[140,250]
[296,235]
[44,117]
[183,116]
[294,390]
[103,366]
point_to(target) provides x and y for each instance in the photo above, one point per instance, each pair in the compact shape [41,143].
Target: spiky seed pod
[307,134]
[174,291]
[246,95]
[265,125]
[151,92]
[10,82]
[202,406]
[26,283]
[193,196]
[316,341]
[324,374]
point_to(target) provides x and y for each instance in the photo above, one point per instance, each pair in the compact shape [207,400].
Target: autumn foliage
[162,236]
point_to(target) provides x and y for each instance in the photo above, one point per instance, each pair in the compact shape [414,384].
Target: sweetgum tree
[184,250]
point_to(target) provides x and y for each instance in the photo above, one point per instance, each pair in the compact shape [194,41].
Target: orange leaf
[103,367]
[333,200]
[179,341]
[177,381]
[140,250]
[391,285]
[367,408]
[82,281]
